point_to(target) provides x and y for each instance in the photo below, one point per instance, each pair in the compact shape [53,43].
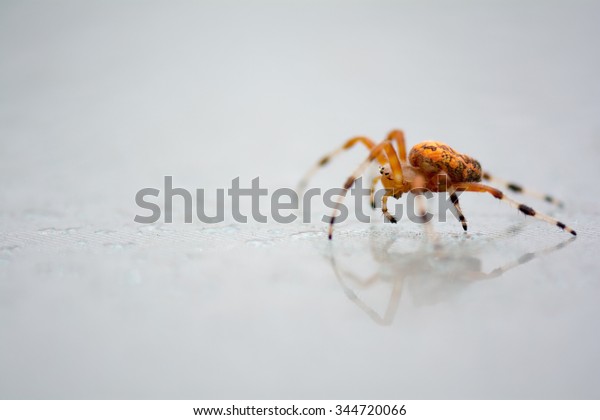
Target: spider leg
[373,185]
[525,258]
[418,188]
[519,189]
[368,143]
[393,302]
[454,199]
[476,187]
[395,167]
[384,208]
[398,136]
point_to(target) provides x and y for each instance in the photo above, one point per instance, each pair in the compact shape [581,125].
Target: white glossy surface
[99,101]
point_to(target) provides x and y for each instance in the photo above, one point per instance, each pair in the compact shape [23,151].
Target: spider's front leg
[372,194]
[418,188]
[398,136]
[365,141]
[384,207]
[395,172]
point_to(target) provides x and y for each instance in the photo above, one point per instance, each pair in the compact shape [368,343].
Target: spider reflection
[428,276]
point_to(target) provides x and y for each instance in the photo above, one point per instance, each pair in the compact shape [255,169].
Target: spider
[433,166]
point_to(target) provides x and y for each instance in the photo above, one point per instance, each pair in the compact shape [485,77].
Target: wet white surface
[100,101]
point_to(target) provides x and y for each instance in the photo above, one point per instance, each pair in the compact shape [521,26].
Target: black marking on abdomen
[454,198]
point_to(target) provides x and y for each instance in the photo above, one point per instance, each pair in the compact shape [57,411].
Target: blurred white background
[101,99]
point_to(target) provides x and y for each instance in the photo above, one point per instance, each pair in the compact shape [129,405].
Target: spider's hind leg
[521,190]
[528,211]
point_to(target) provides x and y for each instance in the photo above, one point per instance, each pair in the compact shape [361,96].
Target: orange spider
[432,166]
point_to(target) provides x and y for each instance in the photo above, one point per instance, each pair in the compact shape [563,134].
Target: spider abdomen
[433,157]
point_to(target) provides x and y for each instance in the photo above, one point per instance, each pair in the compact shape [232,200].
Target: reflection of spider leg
[381,252]
[454,199]
[368,143]
[372,279]
[393,302]
[518,189]
[398,269]
[525,258]
[480,188]
[390,310]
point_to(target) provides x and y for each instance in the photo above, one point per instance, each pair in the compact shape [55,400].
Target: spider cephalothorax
[433,166]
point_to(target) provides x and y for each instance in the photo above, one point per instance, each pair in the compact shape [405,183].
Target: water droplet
[50,231]
[209,231]
[308,235]
[55,231]
[259,243]
[229,229]
[119,246]
[104,232]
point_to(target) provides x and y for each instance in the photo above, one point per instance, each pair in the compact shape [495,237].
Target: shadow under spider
[433,274]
